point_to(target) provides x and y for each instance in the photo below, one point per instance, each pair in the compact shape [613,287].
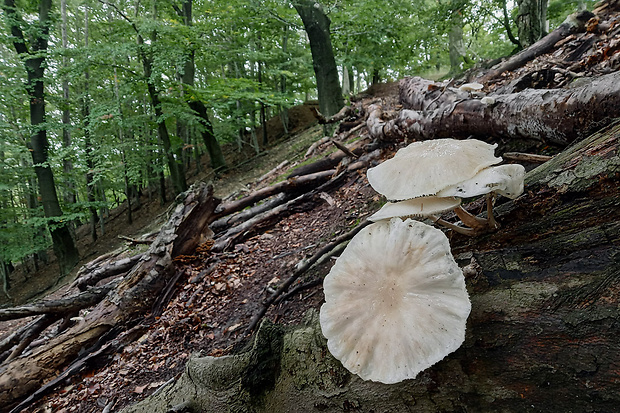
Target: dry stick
[32,333]
[526,157]
[60,306]
[336,251]
[136,241]
[344,149]
[230,221]
[293,182]
[301,269]
[233,233]
[92,277]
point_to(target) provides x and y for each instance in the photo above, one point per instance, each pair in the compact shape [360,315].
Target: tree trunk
[214,150]
[34,62]
[88,147]
[67,165]
[316,24]
[542,334]
[531,21]
[550,115]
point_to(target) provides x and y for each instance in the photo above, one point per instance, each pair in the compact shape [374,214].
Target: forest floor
[209,315]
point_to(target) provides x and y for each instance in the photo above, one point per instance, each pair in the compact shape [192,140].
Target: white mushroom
[395,301]
[417,207]
[425,168]
[470,87]
[506,180]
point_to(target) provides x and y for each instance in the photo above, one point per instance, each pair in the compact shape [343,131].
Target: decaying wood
[344,113]
[330,161]
[99,272]
[61,306]
[292,184]
[135,241]
[553,115]
[236,233]
[228,221]
[132,298]
[274,171]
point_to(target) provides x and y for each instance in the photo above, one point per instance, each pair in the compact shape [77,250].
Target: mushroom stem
[491,219]
[469,219]
[470,232]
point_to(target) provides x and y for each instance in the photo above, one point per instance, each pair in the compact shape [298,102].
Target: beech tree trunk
[542,334]
[531,21]
[34,63]
[317,25]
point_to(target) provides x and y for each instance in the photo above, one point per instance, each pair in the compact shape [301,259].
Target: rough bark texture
[133,298]
[542,335]
[554,115]
[531,21]
[317,25]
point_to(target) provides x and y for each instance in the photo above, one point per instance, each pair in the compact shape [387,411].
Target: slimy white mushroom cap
[395,301]
[417,207]
[425,168]
[506,180]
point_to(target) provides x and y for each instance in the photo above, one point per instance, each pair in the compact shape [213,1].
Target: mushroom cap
[395,301]
[469,87]
[417,207]
[425,168]
[506,180]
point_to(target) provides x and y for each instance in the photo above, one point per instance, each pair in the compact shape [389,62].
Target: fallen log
[133,298]
[59,306]
[102,271]
[558,116]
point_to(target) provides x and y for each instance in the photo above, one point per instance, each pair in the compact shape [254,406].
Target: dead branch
[526,157]
[292,183]
[135,241]
[235,234]
[573,23]
[229,221]
[104,271]
[300,269]
[344,113]
[60,306]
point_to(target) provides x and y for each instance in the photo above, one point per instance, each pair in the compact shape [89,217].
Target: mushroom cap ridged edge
[395,302]
[426,167]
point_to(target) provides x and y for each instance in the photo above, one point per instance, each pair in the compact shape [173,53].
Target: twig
[301,269]
[136,241]
[526,157]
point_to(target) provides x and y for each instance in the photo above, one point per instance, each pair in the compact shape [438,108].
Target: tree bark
[316,24]
[34,63]
[542,334]
[531,21]
[559,116]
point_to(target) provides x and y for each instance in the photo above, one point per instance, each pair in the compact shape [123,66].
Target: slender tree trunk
[456,47]
[316,24]
[208,136]
[67,166]
[531,21]
[34,62]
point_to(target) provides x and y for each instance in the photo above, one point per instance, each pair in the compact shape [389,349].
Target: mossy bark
[542,335]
